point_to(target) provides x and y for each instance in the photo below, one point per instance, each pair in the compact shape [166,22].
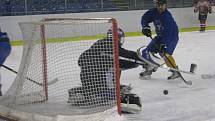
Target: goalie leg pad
[125,89]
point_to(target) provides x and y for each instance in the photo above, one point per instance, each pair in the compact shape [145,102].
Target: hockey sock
[170,61]
[202,25]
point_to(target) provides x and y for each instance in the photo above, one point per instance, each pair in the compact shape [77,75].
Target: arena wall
[129,21]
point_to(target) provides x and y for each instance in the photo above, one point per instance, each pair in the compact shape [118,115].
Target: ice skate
[174,75]
[202,29]
[146,75]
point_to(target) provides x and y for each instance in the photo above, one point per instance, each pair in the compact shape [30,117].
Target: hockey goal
[49,83]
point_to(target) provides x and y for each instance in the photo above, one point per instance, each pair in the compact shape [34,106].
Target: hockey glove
[195,11]
[147,31]
[162,48]
[210,11]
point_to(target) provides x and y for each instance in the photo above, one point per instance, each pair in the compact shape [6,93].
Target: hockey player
[96,75]
[5,49]
[166,40]
[203,7]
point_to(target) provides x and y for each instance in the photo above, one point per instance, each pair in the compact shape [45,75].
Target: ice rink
[183,103]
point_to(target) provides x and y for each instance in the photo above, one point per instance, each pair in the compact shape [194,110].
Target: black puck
[165,92]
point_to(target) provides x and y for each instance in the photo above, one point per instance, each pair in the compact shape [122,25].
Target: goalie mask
[121,35]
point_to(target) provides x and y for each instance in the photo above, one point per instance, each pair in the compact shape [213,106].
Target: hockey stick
[192,66]
[161,66]
[165,57]
[40,84]
[207,76]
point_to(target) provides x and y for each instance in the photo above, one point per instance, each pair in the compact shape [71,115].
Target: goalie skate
[78,100]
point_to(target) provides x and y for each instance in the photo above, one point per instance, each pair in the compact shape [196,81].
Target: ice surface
[183,103]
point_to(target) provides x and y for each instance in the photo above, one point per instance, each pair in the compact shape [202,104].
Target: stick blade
[189,83]
[193,68]
[55,80]
[208,76]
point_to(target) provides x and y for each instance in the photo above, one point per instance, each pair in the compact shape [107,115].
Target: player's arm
[170,31]
[145,20]
[196,7]
[88,55]
[4,37]
[128,59]
[209,7]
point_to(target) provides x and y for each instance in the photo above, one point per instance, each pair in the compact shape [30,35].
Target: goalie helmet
[121,35]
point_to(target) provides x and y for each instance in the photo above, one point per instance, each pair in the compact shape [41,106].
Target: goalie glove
[147,31]
[131,103]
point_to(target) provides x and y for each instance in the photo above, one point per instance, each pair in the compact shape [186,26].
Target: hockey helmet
[121,35]
[160,2]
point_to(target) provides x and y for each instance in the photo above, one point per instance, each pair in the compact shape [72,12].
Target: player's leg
[170,62]
[97,88]
[145,75]
[202,19]
[147,54]
[169,59]
[80,95]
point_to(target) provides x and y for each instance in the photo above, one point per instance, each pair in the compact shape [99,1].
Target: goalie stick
[145,62]
[40,84]
[161,64]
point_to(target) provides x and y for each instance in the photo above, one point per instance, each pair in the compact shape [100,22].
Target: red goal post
[51,49]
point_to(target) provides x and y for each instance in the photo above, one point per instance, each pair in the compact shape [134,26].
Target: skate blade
[144,77]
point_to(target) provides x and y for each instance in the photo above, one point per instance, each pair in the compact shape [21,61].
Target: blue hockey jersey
[165,27]
[5,47]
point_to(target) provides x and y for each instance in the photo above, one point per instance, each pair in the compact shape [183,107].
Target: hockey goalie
[97,76]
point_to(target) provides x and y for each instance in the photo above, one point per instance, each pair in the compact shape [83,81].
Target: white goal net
[65,71]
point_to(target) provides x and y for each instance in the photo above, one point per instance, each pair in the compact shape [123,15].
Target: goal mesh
[56,78]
